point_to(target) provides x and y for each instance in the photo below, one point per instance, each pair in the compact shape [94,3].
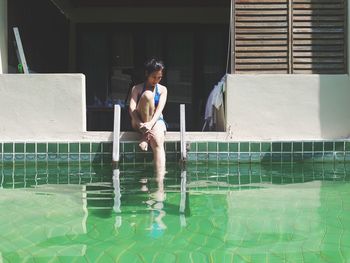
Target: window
[289,36]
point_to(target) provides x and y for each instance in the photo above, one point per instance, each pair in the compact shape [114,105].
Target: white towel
[215,99]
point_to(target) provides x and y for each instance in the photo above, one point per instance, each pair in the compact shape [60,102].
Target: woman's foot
[143,146]
[144,142]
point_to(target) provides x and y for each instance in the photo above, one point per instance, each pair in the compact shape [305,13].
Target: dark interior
[112,56]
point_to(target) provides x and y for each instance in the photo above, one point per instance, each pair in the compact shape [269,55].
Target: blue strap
[156,96]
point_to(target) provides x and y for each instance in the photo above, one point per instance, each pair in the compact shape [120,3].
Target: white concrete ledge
[42,106]
[277,107]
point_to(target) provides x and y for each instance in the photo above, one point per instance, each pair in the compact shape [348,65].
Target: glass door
[179,75]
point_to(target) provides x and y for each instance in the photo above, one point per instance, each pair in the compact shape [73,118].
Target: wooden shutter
[289,36]
[319,44]
[260,36]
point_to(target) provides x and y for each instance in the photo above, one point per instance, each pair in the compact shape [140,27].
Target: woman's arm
[160,107]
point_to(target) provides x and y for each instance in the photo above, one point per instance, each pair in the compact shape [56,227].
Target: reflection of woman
[146,105]
[156,206]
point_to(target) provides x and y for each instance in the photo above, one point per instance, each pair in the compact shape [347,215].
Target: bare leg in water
[155,137]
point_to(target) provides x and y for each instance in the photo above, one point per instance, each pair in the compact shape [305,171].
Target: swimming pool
[210,212]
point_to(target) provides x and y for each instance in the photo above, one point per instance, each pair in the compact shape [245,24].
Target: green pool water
[206,213]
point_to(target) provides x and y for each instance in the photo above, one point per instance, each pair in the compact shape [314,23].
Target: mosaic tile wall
[244,152]
[320,151]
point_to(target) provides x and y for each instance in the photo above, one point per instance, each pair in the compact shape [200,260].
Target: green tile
[339,146]
[244,147]
[169,157]
[96,147]
[328,156]
[192,156]
[52,148]
[318,146]
[287,147]
[63,147]
[30,148]
[255,147]
[202,147]
[266,157]
[276,147]
[223,156]
[202,156]
[318,156]
[139,157]
[74,147]
[244,157]
[41,148]
[170,146]
[8,147]
[339,156]
[255,157]
[347,146]
[307,146]
[328,146]
[84,147]
[19,147]
[213,156]
[128,147]
[212,146]
[178,147]
[265,147]
[193,147]
[233,147]
[223,147]
[107,147]
[297,146]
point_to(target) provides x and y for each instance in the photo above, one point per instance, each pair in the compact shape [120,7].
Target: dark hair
[153,65]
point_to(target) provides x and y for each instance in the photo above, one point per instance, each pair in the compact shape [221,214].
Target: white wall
[3,36]
[42,107]
[288,107]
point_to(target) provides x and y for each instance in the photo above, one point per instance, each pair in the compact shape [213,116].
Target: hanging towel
[214,110]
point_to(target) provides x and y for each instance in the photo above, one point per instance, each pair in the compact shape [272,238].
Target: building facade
[288,65]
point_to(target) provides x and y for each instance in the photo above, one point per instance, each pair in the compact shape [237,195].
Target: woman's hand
[146,127]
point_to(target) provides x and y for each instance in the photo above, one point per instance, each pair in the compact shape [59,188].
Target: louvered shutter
[289,36]
[319,44]
[260,32]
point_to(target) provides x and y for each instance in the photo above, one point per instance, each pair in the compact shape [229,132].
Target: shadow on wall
[329,55]
[334,96]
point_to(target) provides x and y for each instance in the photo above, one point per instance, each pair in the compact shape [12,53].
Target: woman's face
[155,77]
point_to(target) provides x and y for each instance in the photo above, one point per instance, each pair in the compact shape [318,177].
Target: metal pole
[182,132]
[116,133]
[20,50]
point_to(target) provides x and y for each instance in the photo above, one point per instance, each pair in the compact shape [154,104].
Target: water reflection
[156,207]
[183,198]
[29,175]
[117,196]
[153,195]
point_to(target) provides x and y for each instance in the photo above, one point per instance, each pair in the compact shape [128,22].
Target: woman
[146,105]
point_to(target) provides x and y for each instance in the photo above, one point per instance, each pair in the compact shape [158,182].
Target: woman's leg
[157,137]
[145,109]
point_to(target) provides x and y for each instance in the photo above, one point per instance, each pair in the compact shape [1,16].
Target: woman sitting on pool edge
[146,106]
